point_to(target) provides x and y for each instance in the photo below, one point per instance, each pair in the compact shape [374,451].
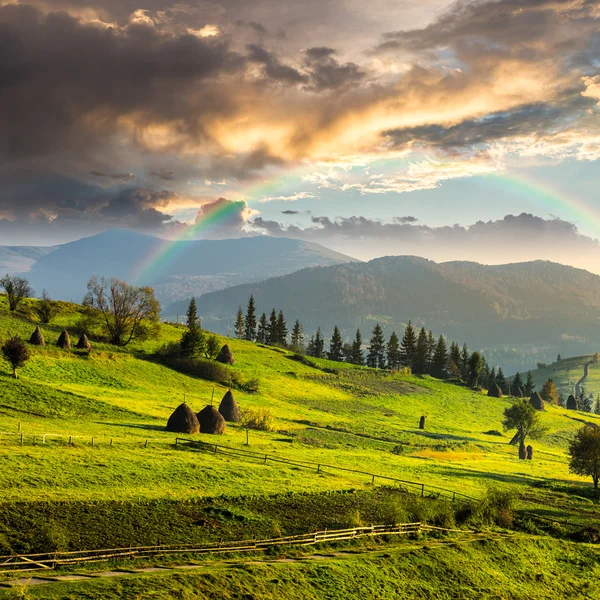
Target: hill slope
[175,269]
[20,259]
[530,311]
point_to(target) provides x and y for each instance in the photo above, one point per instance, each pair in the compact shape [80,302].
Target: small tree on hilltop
[525,419]
[584,451]
[549,392]
[45,308]
[250,327]
[394,358]
[125,308]
[193,343]
[376,355]
[17,289]
[336,346]
[16,353]
[239,324]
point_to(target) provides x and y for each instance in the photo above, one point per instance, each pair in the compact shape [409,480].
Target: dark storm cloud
[139,203]
[326,73]
[290,212]
[274,69]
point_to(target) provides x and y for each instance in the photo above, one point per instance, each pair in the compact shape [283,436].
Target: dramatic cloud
[512,239]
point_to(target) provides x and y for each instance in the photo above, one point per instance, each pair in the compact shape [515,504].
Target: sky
[462,130]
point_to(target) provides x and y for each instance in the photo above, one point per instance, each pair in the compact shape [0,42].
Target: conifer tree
[262,329]
[272,333]
[336,346]
[492,378]
[311,346]
[430,350]
[501,381]
[282,330]
[357,353]
[408,347]
[421,353]
[319,344]
[529,385]
[475,365]
[297,336]
[250,326]
[239,324]
[517,384]
[484,376]
[454,357]
[464,362]
[376,355]
[192,342]
[393,352]
[440,359]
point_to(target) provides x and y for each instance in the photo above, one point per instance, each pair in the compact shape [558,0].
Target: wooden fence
[415,487]
[52,560]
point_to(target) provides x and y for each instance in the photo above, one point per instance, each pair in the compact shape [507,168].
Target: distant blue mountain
[177,270]
[20,259]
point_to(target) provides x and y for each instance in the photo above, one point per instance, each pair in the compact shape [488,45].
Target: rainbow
[548,198]
[166,251]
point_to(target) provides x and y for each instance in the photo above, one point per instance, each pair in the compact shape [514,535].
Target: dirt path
[586,370]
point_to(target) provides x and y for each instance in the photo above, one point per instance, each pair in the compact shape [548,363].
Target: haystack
[211,421]
[522,451]
[529,452]
[229,408]
[518,392]
[536,401]
[64,341]
[84,343]
[37,337]
[226,356]
[183,420]
[495,391]
[422,422]
[572,403]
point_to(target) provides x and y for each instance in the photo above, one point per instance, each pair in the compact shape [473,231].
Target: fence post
[318,468]
[373,479]
[21,436]
[453,496]
[146,444]
[110,442]
[216,448]
[19,427]
[422,490]
[265,459]
[92,442]
[44,439]
[70,440]
[176,441]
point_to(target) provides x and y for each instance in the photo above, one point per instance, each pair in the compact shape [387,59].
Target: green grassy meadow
[124,469]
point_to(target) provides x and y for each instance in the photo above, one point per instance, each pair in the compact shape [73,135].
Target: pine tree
[282,330]
[421,353]
[558,358]
[501,381]
[393,352]
[376,355]
[250,328]
[311,346]
[464,362]
[430,350]
[475,364]
[408,347]
[336,346]
[440,359]
[239,324]
[484,376]
[492,378]
[529,385]
[319,344]
[192,342]
[517,384]
[297,337]
[454,357]
[272,333]
[357,357]
[262,329]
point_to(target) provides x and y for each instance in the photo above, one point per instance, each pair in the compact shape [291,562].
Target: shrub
[260,419]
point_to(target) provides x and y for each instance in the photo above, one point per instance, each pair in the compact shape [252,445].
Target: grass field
[114,402]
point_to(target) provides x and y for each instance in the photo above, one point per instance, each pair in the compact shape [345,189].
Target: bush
[259,419]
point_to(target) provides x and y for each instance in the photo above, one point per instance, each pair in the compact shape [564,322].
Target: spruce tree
[454,356]
[464,362]
[272,332]
[440,359]
[430,350]
[282,330]
[408,347]
[421,353]
[484,376]
[517,384]
[319,344]
[250,328]
[529,385]
[336,346]
[501,381]
[239,324]
[192,342]
[262,329]
[393,352]
[376,355]
[357,353]
[475,364]
[297,337]
[492,378]
[311,346]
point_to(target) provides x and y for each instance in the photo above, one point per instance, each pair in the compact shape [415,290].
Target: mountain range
[519,313]
[177,269]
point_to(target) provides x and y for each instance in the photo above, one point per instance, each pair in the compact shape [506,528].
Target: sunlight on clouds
[204,32]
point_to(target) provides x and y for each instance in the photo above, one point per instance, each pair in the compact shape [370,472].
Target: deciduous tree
[17,289]
[16,353]
[584,452]
[525,419]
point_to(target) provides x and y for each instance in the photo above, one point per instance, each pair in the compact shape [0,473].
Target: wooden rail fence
[52,560]
[415,487]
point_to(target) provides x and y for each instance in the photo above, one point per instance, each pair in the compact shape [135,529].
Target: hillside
[20,259]
[122,480]
[519,313]
[175,269]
